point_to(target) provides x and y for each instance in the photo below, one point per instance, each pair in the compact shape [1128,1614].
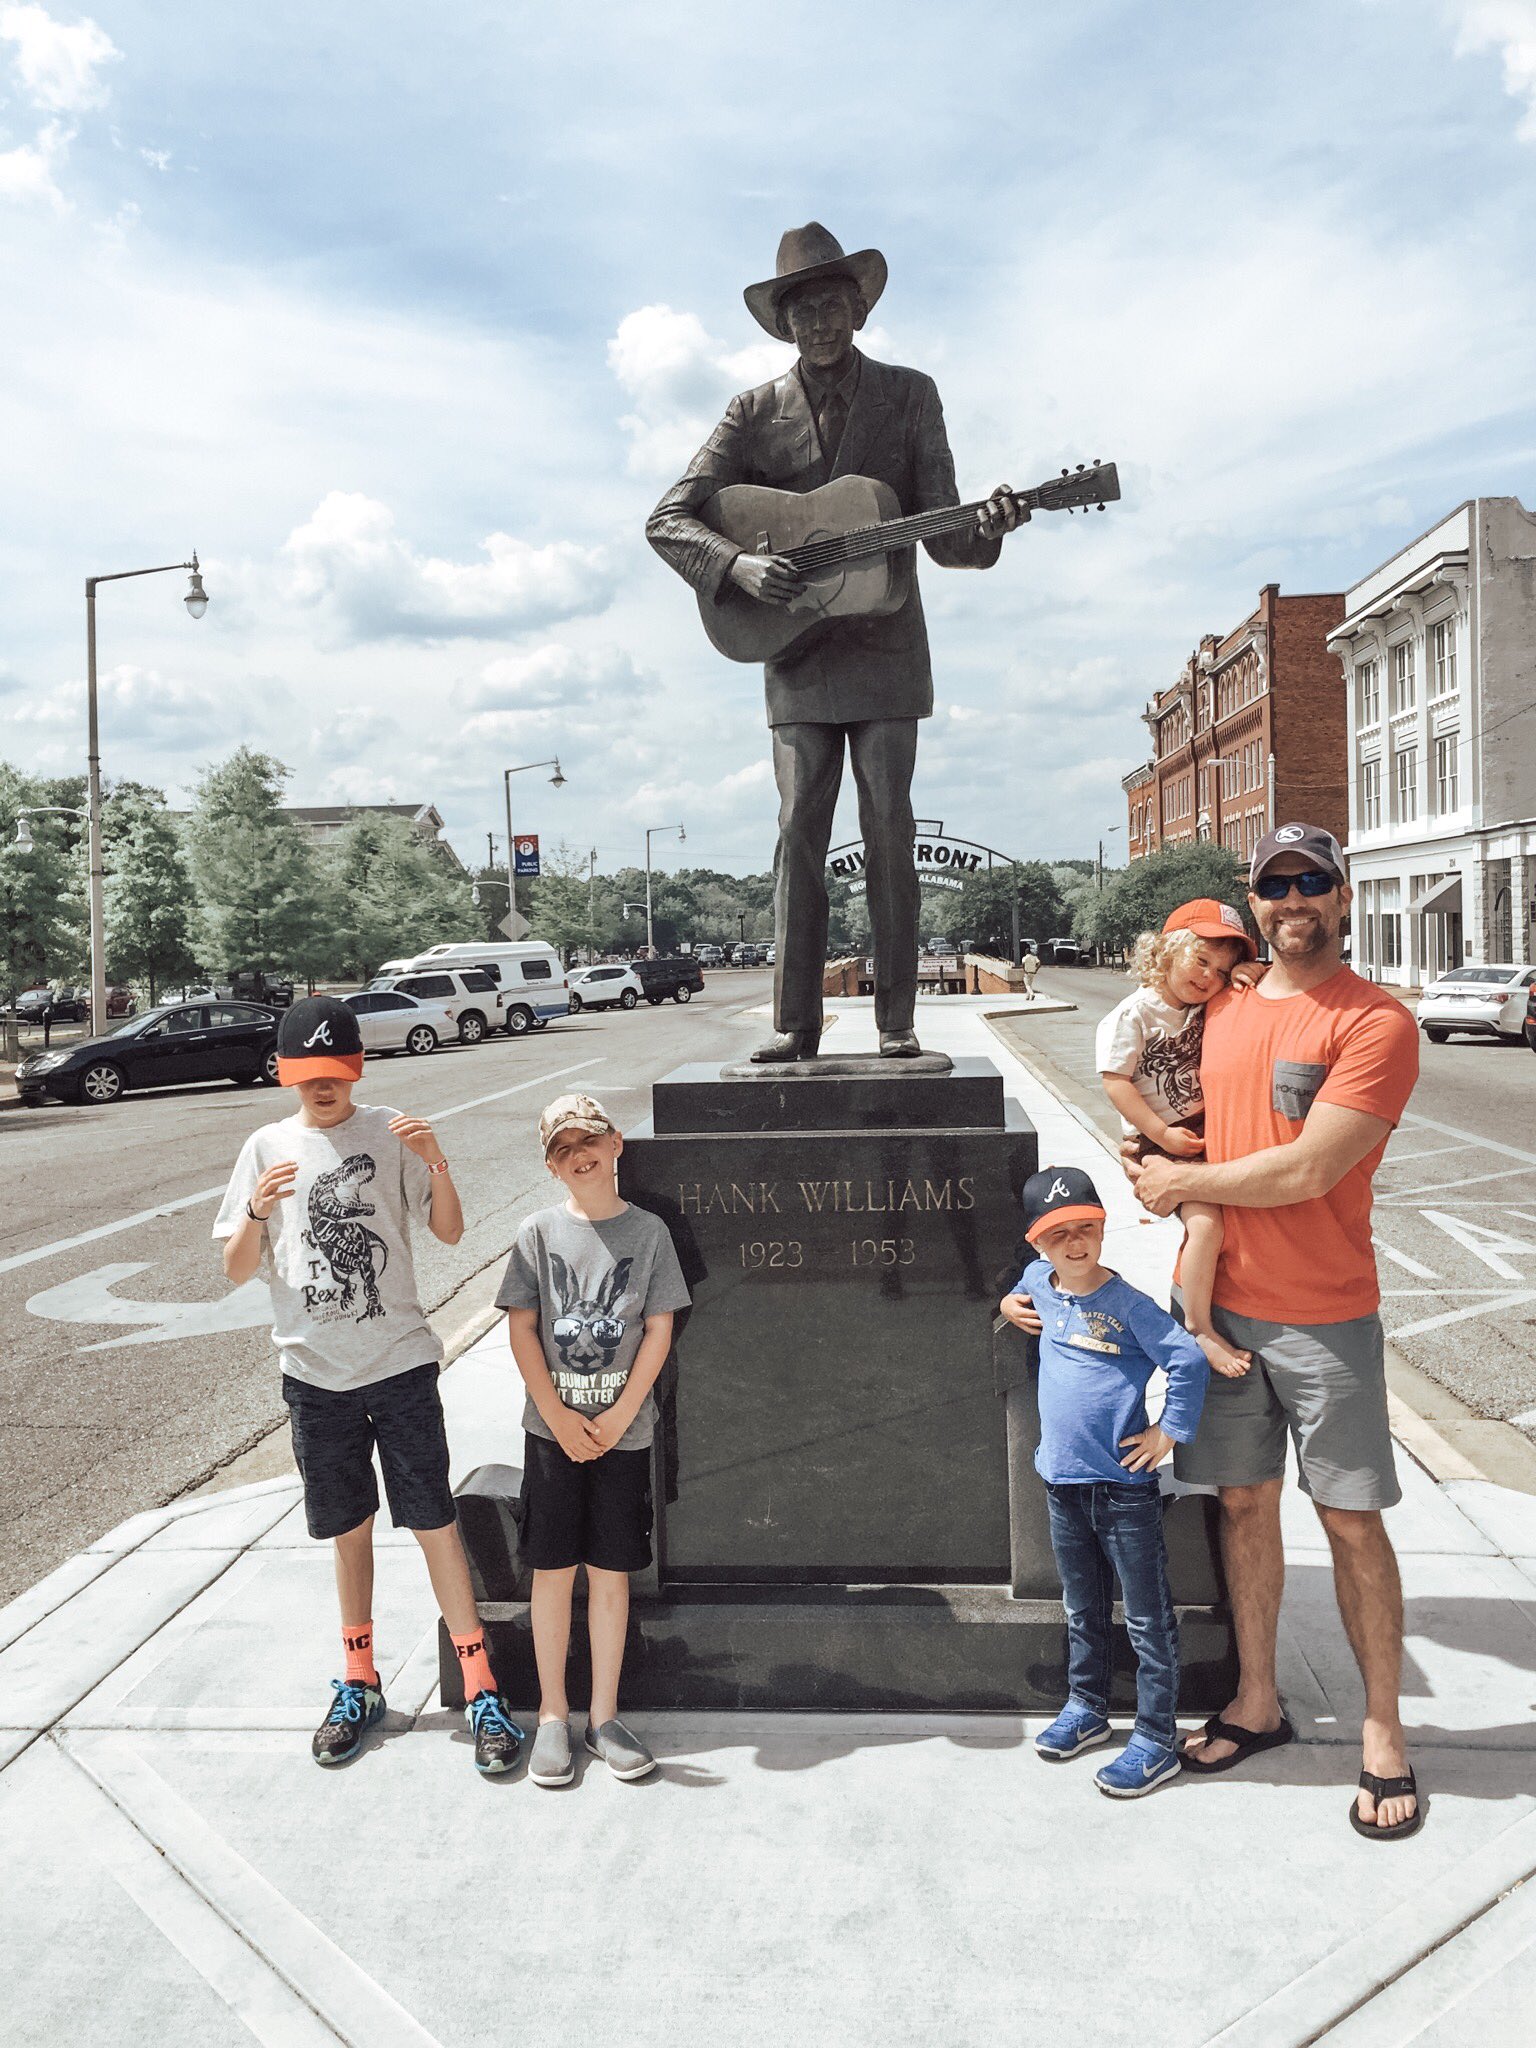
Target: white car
[603,988]
[391,1022]
[1487,1000]
[478,1005]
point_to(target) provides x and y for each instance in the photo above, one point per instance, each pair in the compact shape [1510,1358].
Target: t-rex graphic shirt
[337,1251]
[1156,1045]
[593,1284]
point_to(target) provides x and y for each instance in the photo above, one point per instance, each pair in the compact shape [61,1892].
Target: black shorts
[334,1433]
[598,1513]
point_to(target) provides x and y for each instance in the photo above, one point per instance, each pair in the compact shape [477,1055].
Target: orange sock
[473,1662]
[358,1644]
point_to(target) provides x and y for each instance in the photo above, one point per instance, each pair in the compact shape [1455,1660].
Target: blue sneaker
[498,1738]
[1139,1768]
[1074,1729]
[355,1709]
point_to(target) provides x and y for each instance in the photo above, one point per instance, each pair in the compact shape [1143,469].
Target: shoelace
[489,1708]
[350,1703]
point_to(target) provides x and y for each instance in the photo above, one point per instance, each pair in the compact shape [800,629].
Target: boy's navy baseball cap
[319,1038]
[1057,1195]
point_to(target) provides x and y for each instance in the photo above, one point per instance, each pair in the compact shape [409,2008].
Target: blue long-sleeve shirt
[1097,1353]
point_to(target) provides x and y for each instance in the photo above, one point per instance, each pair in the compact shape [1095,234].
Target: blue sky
[404,317]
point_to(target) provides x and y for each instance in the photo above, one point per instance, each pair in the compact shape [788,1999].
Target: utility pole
[1017,956]
[591,906]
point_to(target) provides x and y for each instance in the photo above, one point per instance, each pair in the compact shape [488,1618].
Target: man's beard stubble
[1288,941]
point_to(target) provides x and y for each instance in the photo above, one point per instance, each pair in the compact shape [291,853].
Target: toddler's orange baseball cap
[1205,918]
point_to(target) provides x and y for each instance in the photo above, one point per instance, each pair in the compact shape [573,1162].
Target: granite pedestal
[847,1513]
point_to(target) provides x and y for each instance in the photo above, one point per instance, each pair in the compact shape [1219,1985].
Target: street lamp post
[650,935]
[506,788]
[196,601]
[1108,835]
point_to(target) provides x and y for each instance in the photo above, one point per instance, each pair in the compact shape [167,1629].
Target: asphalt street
[1455,1215]
[133,1371]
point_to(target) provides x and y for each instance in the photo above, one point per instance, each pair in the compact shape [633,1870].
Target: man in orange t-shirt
[1304,1078]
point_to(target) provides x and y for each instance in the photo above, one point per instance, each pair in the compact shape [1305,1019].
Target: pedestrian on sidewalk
[324,1199]
[1148,1054]
[1031,966]
[1304,1077]
[590,1291]
[1101,1340]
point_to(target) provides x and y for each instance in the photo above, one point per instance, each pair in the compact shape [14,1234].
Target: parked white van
[527,972]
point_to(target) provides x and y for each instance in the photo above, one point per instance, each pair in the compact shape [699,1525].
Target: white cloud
[59,65]
[348,554]
[157,159]
[27,172]
[554,675]
[679,378]
[1508,26]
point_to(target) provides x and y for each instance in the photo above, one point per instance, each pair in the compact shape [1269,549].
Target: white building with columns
[1438,648]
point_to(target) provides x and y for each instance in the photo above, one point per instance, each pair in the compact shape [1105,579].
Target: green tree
[255,871]
[556,905]
[36,941]
[386,895]
[150,915]
[984,907]
[1139,898]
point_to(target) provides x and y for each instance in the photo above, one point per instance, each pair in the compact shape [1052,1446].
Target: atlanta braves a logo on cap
[1288,836]
[321,1035]
[1058,1191]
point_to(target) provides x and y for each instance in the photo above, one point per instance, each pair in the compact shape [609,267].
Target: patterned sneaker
[549,1762]
[1074,1729]
[355,1709]
[498,1739]
[624,1754]
[1139,1768]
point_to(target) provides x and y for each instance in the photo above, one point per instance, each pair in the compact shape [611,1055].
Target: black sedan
[163,1048]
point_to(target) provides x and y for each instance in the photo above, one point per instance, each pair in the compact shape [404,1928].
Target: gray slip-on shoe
[624,1753]
[549,1762]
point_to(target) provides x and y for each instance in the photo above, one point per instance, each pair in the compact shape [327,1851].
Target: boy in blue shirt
[1100,1342]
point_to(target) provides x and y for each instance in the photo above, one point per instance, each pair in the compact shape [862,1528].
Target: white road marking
[69,1244]
[1461,1315]
[1439,1293]
[90,1299]
[1425,1123]
[1406,1158]
[1408,1265]
[1481,1242]
[1439,1187]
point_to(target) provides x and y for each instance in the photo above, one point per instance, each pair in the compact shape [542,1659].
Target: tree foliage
[1138,898]
[35,889]
[386,895]
[150,913]
[254,869]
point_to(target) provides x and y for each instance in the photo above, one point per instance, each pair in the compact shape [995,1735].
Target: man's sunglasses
[1311,882]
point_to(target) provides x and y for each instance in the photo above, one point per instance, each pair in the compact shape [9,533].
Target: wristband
[441,1167]
[252,1214]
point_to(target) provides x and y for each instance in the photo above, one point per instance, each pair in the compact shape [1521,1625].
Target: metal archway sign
[942,859]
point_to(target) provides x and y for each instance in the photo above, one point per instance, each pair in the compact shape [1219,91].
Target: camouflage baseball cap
[573,1113]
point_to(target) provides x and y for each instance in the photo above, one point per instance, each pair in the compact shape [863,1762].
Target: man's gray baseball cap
[1311,841]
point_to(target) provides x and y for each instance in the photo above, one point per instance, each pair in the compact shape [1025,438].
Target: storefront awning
[1442,895]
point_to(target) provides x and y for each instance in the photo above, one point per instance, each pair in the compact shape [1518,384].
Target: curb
[1504,1457]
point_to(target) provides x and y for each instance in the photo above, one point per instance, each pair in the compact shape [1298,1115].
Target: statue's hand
[768,578]
[1001,514]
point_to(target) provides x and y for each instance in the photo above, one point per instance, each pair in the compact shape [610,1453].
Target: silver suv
[484,1004]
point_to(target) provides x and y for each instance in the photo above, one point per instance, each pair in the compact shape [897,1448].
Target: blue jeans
[1101,1532]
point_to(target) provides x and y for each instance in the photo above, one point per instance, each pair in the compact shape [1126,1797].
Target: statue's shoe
[899,1045]
[787,1045]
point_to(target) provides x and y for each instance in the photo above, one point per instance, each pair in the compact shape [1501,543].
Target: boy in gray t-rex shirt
[589,1290]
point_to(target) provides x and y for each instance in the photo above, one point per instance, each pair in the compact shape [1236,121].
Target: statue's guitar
[849,539]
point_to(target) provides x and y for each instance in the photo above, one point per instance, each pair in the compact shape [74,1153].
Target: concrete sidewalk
[177,1871]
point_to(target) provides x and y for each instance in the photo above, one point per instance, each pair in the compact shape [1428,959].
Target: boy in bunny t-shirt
[589,1290]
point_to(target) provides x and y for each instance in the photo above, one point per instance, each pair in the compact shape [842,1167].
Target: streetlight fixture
[25,843]
[1108,835]
[196,601]
[558,780]
[650,934]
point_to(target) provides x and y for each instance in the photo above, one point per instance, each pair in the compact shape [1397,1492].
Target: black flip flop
[1387,1788]
[1248,1744]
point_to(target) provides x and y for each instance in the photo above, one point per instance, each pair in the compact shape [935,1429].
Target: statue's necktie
[830,421]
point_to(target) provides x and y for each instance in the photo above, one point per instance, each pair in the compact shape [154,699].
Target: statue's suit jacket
[845,670]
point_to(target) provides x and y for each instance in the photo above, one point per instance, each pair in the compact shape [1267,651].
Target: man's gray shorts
[1323,1383]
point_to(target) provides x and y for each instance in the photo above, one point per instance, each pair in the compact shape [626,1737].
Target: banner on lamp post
[526,855]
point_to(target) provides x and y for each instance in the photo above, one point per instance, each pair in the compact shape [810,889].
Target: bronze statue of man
[863,682]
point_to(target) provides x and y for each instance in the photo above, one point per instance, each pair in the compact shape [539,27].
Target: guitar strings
[862,542]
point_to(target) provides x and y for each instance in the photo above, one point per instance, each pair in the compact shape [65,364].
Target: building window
[1404,684]
[1391,940]
[1406,807]
[1370,795]
[1443,649]
[1368,688]
[1446,784]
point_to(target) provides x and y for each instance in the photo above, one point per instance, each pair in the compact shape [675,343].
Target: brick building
[1252,733]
